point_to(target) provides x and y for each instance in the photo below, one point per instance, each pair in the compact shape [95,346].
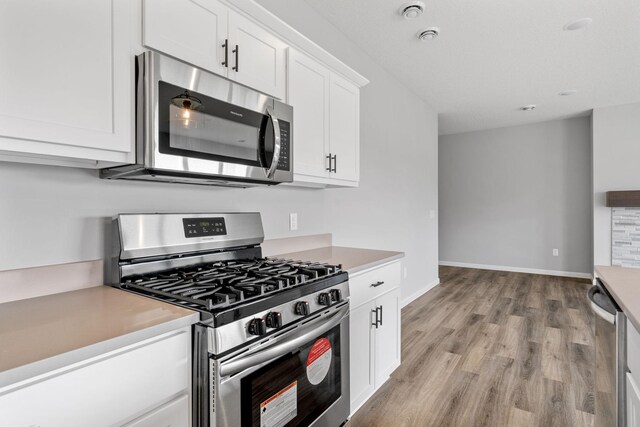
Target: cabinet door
[633,403]
[344,123]
[361,355]
[309,96]
[387,337]
[260,60]
[105,391]
[190,30]
[67,76]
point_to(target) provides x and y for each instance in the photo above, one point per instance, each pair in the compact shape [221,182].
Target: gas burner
[219,285]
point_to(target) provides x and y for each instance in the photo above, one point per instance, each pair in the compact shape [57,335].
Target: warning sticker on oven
[319,361]
[280,408]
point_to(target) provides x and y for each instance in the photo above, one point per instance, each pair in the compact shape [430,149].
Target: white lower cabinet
[146,384]
[172,414]
[387,336]
[361,366]
[633,377]
[374,330]
[633,402]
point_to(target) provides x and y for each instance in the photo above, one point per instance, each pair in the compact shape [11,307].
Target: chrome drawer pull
[375,285]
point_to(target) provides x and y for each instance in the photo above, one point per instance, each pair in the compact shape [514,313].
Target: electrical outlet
[556,252]
[293,221]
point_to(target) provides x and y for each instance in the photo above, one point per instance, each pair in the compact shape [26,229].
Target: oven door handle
[265,354]
[276,142]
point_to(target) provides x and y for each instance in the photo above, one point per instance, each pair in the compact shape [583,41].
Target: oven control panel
[280,316]
[275,318]
[202,227]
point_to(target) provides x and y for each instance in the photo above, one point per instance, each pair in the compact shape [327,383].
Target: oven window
[194,125]
[296,388]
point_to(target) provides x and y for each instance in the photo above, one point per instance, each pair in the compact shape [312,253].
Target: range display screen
[200,227]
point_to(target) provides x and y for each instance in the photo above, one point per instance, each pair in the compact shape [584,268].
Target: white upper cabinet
[257,57]
[309,95]
[326,111]
[67,80]
[209,35]
[191,30]
[344,123]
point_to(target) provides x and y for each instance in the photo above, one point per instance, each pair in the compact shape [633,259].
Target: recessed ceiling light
[412,10]
[529,107]
[577,24]
[567,92]
[429,34]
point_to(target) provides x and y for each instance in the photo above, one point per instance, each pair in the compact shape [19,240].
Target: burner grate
[222,284]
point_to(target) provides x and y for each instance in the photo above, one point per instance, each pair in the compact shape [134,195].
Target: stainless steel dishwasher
[611,363]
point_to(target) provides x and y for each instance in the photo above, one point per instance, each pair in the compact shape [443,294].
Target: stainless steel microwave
[196,127]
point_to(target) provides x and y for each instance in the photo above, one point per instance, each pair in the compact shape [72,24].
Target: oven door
[200,123]
[300,378]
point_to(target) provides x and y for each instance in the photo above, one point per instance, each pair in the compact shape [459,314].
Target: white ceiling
[494,56]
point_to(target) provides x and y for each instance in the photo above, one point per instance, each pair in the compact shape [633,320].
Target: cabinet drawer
[104,391]
[633,351]
[361,286]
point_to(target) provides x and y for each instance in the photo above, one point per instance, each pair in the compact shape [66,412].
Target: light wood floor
[489,348]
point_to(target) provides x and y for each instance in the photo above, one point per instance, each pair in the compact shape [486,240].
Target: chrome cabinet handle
[261,355]
[276,145]
[375,322]
[225,45]
[237,52]
[335,163]
[375,285]
[329,157]
[380,315]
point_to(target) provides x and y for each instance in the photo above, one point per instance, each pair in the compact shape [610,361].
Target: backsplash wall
[625,237]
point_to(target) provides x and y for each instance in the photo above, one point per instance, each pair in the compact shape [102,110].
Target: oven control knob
[257,327]
[274,320]
[336,295]
[324,299]
[302,308]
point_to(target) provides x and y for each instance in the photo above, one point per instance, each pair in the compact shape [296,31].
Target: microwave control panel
[285,129]
[201,227]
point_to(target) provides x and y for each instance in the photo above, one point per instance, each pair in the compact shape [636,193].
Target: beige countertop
[353,260]
[40,334]
[624,285]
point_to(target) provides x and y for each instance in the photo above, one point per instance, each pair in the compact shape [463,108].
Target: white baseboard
[518,269]
[419,293]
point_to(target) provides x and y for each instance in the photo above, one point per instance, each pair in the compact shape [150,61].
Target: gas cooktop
[221,285]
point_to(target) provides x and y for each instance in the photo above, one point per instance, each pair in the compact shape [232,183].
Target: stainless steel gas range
[272,345]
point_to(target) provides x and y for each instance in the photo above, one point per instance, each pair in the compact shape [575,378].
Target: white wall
[52,215]
[616,166]
[509,196]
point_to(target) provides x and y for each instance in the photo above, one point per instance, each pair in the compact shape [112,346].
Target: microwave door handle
[272,352]
[276,142]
